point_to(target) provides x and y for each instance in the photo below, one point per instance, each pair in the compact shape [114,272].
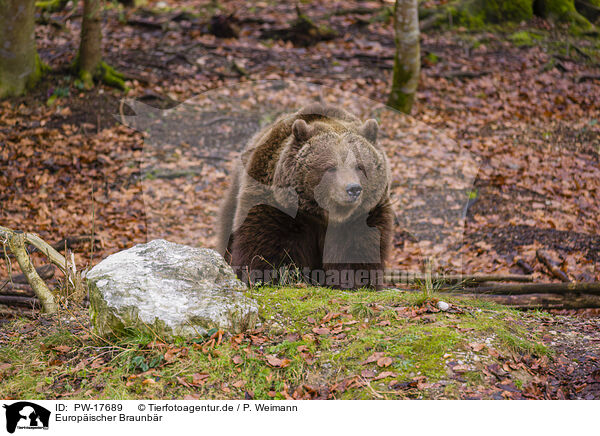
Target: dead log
[552,266]
[541,300]
[13,300]
[592,288]
[45,272]
[410,277]
[17,289]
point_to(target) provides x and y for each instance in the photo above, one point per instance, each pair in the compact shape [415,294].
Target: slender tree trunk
[20,66]
[407,61]
[90,46]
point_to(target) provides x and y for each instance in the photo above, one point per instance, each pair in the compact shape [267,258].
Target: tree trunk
[561,10]
[20,66]
[90,46]
[407,60]
[89,63]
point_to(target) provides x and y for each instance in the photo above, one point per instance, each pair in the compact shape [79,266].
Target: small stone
[443,306]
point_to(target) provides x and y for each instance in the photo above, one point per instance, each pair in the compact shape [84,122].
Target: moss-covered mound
[313,343]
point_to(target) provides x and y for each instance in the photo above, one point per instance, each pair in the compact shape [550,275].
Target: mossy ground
[313,342]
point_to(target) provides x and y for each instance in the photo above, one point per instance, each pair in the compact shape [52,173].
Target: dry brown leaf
[321,330]
[385,374]
[277,362]
[384,362]
[374,357]
[476,346]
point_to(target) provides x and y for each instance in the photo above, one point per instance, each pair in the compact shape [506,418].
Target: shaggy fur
[296,200]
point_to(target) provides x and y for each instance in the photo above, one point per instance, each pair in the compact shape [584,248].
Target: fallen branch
[16,243]
[462,74]
[12,300]
[552,266]
[45,272]
[584,77]
[527,269]
[591,288]
[542,300]
[18,290]
[408,277]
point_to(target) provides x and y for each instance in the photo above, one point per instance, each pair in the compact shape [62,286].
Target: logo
[26,415]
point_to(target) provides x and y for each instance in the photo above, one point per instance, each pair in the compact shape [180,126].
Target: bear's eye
[330,169]
[361,167]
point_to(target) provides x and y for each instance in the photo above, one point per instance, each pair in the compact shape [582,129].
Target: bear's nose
[353,191]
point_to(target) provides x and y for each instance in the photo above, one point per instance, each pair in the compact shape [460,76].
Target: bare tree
[407,61]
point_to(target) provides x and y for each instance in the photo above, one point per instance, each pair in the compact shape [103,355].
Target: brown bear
[311,193]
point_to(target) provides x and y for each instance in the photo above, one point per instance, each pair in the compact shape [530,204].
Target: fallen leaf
[199,378]
[368,373]
[240,383]
[385,374]
[373,357]
[321,330]
[384,362]
[476,346]
[277,362]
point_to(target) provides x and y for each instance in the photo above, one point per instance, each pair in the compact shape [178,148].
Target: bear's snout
[353,190]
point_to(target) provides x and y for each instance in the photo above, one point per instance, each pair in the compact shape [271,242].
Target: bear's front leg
[354,253]
[269,240]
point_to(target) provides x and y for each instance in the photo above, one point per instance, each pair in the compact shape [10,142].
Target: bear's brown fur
[311,192]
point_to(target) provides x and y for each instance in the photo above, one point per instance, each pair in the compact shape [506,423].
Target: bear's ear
[301,130]
[369,130]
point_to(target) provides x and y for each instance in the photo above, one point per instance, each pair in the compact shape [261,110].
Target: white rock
[443,306]
[171,289]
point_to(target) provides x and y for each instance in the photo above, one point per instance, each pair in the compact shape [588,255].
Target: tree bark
[20,66]
[90,46]
[407,60]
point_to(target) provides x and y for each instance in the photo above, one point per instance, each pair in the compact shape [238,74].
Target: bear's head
[335,167]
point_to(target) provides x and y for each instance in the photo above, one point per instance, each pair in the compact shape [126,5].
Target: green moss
[475,14]
[104,73]
[523,38]
[112,77]
[368,322]
[51,5]
[562,11]
[398,98]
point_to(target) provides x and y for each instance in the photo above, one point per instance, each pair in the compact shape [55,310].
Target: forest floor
[522,100]
[316,343]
